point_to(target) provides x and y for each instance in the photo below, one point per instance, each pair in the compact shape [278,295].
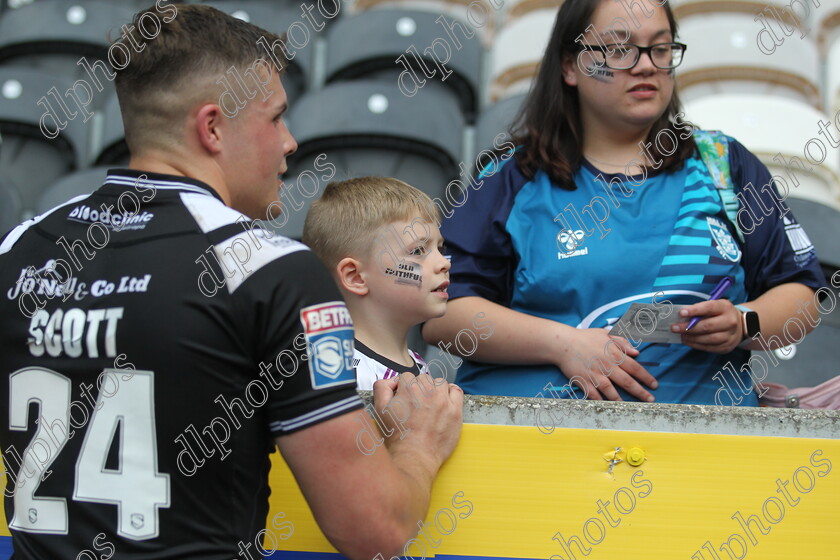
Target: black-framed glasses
[623,56]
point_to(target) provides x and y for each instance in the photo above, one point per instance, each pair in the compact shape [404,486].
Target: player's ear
[208,127]
[350,276]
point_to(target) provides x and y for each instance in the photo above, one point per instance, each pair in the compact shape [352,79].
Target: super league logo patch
[328,329]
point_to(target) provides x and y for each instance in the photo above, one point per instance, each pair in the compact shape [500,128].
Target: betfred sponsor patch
[328,329]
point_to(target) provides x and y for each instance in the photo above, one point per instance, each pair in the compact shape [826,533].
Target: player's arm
[367,504]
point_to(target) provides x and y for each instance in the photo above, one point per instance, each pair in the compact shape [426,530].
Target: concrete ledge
[679,418]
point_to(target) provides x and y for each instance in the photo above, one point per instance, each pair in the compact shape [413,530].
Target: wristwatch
[750,323]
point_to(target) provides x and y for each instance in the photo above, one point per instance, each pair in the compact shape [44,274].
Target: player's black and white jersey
[152,344]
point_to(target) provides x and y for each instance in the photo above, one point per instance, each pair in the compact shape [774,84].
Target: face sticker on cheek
[601,73]
[406,272]
[594,68]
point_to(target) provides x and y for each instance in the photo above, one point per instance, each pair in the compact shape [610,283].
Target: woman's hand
[597,362]
[719,330]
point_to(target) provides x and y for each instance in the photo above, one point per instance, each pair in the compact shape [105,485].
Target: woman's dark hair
[548,126]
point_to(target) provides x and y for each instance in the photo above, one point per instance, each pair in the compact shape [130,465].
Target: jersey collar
[132,177]
[387,362]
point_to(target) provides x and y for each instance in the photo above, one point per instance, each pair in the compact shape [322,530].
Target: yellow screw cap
[636,456]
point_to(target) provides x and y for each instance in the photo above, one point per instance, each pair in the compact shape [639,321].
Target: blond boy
[375,237]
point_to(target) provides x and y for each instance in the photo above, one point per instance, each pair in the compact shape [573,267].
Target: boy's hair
[185,64]
[345,221]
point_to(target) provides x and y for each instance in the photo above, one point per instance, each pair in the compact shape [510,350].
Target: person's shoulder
[503,173]
[490,194]
[744,165]
[238,251]
[247,243]
[738,153]
[10,238]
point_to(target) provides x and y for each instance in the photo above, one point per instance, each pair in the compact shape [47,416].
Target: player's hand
[425,413]
[720,328]
[617,366]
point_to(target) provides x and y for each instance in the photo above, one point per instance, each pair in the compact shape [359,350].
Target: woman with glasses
[607,202]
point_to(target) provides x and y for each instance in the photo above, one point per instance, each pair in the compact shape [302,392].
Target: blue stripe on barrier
[6,553]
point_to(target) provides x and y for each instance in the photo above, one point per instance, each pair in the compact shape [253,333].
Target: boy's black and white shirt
[144,392]
[371,366]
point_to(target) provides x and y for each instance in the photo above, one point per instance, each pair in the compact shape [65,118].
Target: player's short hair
[182,66]
[345,221]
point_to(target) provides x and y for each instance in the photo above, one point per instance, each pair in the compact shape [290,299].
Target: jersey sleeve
[776,248]
[482,256]
[303,337]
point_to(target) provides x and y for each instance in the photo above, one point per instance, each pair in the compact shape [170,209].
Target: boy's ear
[350,276]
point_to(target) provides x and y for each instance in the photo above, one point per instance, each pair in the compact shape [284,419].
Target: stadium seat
[28,158]
[495,120]
[685,9]
[832,83]
[483,15]
[72,185]
[279,18]
[380,44]
[827,21]
[54,35]
[517,53]
[517,8]
[10,207]
[109,147]
[814,360]
[370,128]
[777,130]
[733,62]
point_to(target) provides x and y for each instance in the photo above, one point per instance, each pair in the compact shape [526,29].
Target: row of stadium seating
[56,46]
[481,60]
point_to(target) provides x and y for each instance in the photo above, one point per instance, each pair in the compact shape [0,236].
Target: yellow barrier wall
[515,492]
[524,487]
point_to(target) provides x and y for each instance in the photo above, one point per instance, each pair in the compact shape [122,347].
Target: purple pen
[719,290]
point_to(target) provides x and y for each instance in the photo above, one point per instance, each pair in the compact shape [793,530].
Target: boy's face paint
[407,272]
[409,283]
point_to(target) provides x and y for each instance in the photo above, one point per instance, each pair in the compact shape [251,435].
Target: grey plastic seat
[72,185]
[815,359]
[370,128]
[54,35]
[110,147]
[494,120]
[10,207]
[378,44]
[279,18]
[28,157]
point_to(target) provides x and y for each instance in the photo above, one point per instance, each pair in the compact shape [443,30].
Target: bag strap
[714,149]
